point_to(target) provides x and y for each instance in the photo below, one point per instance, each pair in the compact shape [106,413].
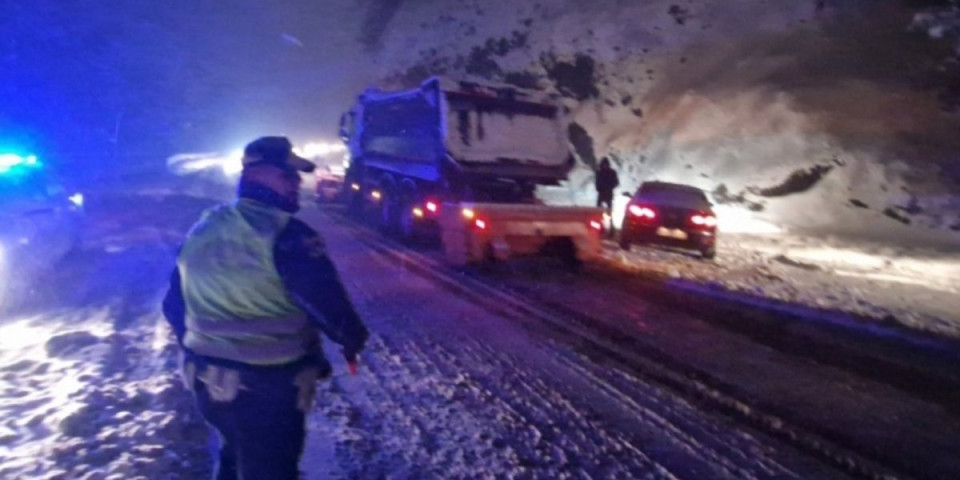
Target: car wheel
[708,253]
[571,261]
[625,242]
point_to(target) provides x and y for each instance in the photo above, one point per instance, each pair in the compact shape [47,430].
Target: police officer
[252,290]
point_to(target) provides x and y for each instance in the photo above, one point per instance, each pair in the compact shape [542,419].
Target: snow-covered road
[451,391]
[447,389]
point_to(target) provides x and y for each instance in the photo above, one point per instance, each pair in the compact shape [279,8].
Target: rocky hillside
[827,116]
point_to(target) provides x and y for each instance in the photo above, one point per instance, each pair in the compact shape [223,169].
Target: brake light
[596,225]
[704,220]
[480,224]
[432,207]
[642,211]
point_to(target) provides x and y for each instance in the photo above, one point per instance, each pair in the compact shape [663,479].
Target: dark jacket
[606,180]
[309,276]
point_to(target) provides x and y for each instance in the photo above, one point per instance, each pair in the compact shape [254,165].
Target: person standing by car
[252,290]
[605,182]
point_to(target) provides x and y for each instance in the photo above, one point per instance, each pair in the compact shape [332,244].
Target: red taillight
[642,211]
[432,207]
[480,224]
[596,225]
[704,220]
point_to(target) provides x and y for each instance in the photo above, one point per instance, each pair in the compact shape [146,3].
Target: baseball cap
[275,151]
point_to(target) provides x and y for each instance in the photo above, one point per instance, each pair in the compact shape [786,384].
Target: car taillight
[704,220]
[642,211]
[596,225]
[480,224]
[432,207]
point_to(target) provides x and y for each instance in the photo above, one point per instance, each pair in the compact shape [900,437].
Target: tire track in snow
[395,420]
[452,418]
[559,434]
[777,460]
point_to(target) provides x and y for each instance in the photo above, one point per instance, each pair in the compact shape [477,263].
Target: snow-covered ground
[88,385]
[88,388]
[916,288]
[448,390]
[87,380]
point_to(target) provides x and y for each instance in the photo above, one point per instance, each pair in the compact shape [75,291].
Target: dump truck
[458,163]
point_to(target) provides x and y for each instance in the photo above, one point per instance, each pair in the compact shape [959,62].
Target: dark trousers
[261,430]
[605,200]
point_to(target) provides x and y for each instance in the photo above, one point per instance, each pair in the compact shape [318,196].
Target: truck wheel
[354,205]
[389,212]
[385,212]
[568,255]
[489,261]
[407,227]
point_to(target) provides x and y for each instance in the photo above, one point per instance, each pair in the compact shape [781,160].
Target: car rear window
[675,195]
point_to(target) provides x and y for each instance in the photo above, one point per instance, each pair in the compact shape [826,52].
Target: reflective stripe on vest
[248,326]
[267,351]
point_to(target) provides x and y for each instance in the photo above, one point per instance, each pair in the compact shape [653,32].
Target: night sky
[86,82]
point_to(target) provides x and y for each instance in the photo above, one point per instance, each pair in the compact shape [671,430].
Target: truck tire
[386,222]
[354,201]
[407,228]
[389,209]
[568,255]
[408,197]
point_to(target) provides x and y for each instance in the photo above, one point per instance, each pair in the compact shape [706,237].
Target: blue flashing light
[10,162]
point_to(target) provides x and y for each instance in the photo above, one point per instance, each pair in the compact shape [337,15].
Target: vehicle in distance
[329,184]
[41,221]
[670,214]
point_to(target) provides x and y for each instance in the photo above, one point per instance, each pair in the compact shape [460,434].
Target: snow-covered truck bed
[422,157]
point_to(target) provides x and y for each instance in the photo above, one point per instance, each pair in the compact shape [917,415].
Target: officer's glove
[351,357]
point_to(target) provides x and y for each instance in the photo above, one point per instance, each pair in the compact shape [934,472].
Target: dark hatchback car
[670,214]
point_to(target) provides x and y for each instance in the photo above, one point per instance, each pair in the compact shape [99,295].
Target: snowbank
[912,288]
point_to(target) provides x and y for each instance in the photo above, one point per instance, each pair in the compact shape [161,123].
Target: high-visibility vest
[236,305]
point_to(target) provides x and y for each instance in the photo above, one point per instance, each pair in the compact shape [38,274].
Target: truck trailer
[458,163]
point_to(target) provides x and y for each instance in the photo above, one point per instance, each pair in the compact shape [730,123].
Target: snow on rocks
[740,99]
